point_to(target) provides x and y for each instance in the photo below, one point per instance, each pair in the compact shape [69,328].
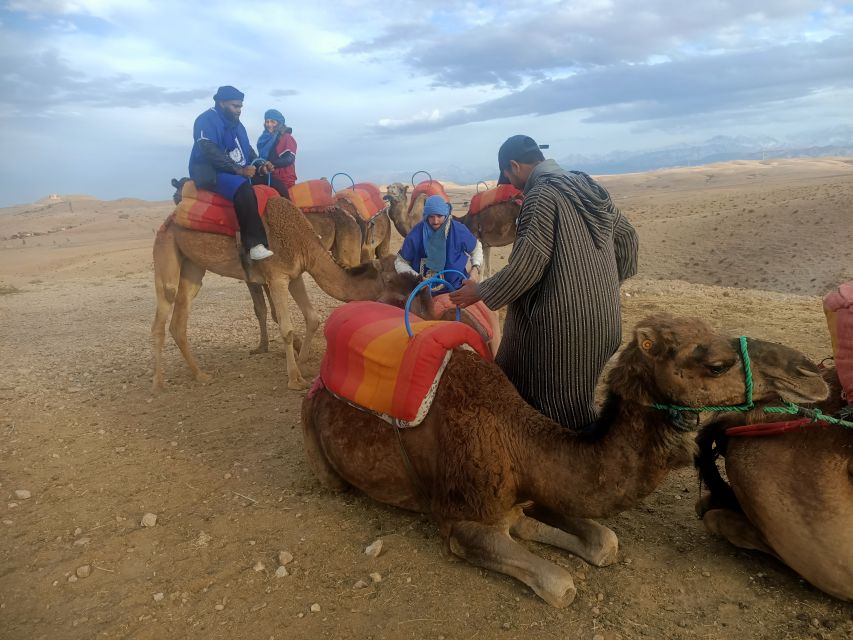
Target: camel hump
[427,188]
[371,362]
[838,307]
[500,194]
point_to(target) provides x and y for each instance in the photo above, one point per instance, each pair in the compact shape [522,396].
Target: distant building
[54,196]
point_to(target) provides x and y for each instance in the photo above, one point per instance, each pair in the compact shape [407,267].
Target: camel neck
[359,283]
[594,476]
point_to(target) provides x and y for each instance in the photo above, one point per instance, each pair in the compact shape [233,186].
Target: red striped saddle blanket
[428,188]
[366,198]
[207,211]
[371,361]
[502,193]
[312,196]
[479,311]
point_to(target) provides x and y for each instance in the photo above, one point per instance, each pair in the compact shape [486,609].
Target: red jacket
[287,174]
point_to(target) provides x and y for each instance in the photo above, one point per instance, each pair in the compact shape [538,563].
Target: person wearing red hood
[278,146]
[572,250]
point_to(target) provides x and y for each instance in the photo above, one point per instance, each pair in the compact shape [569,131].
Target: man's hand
[248,172]
[475,273]
[266,168]
[465,295]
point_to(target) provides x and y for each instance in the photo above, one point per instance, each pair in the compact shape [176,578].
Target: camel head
[398,286]
[681,361]
[179,187]
[396,192]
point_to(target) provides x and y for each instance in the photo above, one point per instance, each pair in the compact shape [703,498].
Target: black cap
[228,93]
[519,148]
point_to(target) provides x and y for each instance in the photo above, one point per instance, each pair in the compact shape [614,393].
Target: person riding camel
[278,146]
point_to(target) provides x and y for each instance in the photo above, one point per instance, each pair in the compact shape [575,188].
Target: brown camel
[788,495]
[182,256]
[374,235]
[339,233]
[494,226]
[398,287]
[483,463]
[398,211]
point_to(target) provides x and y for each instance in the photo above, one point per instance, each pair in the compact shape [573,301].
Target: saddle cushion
[371,362]
[312,196]
[365,198]
[207,211]
[480,312]
[428,188]
[503,193]
[838,307]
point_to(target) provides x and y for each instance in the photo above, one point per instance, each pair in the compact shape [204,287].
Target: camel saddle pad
[365,198]
[503,193]
[428,188]
[312,196]
[207,211]
[838,307]
[371,362]
[480,312]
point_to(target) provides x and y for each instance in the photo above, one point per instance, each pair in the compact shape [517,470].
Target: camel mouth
[791,392]
[387,198]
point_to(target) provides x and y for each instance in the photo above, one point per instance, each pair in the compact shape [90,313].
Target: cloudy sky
[99,96]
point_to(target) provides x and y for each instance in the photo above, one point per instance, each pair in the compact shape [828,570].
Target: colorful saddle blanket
[480,312]
[312,196]
[365,198]
[208,211]
[428,188]
[371,362]
[502,193]
[838,307]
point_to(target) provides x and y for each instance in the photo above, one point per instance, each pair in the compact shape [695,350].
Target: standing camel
[485,465]
[403,217]
[494,226]
[182,256]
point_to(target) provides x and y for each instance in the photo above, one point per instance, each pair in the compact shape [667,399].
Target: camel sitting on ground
[402,217]
[494,226]
[182,256]
[788,495]
[485,464]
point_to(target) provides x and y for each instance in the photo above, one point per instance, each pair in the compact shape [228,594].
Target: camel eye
[718,368]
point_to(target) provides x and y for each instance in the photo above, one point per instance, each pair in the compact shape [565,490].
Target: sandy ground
[750,246]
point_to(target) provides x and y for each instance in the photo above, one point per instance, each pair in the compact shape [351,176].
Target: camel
[487,466]
[182,256]
[374,236]
[494,226]
[398,287]
[340,233]
[788,495]
[398,210]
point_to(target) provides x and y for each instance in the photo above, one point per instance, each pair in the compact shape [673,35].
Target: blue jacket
[460,244]
[229,137]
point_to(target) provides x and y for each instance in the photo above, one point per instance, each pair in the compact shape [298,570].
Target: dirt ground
[749,246]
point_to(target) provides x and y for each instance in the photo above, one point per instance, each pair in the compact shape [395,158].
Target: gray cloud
[633,93]
[38,82]
[280,93]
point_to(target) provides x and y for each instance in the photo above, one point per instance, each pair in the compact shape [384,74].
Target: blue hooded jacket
[229,136]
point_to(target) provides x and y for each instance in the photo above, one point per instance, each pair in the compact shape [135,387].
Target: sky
[98,97]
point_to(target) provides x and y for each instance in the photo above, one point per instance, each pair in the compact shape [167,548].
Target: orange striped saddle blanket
[312,196]
[428,188]
[479,311]
[502,193]
[838,307]
[207,211]
[372,363]
[366,198]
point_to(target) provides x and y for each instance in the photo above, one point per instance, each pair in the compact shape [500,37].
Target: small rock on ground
[374,549]
[149,520]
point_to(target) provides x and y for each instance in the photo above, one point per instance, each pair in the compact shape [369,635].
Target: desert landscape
[87,451]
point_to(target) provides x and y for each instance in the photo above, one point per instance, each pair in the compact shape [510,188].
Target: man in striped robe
[572,250]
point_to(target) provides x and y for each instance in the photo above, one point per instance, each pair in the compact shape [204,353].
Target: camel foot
[558,592]
[157,386]
[201,376]
[608,553]
[259,349]
[298,384]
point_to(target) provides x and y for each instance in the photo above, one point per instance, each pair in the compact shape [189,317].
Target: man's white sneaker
[259,252]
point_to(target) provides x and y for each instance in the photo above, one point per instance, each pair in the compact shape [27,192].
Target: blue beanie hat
[274,114]
[436,206]
[228,93]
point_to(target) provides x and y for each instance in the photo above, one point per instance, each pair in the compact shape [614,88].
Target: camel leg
[584,538]
[492,547]
[167,276]
[317,459]
[260,305]
[486,250]
[312,319]
[278,291]
[384,247]
[735,528]
[191,277]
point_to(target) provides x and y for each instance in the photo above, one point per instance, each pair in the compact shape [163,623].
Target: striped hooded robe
[572,250]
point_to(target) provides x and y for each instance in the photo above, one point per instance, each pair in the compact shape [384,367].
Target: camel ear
[646,338]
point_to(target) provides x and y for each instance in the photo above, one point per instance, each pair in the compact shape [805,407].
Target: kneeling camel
[487,466]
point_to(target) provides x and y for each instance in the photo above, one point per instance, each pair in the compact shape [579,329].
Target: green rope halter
[746,406]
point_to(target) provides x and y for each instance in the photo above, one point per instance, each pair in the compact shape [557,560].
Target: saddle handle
[332,181]
[428,283]
[417,172]
[482,182]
